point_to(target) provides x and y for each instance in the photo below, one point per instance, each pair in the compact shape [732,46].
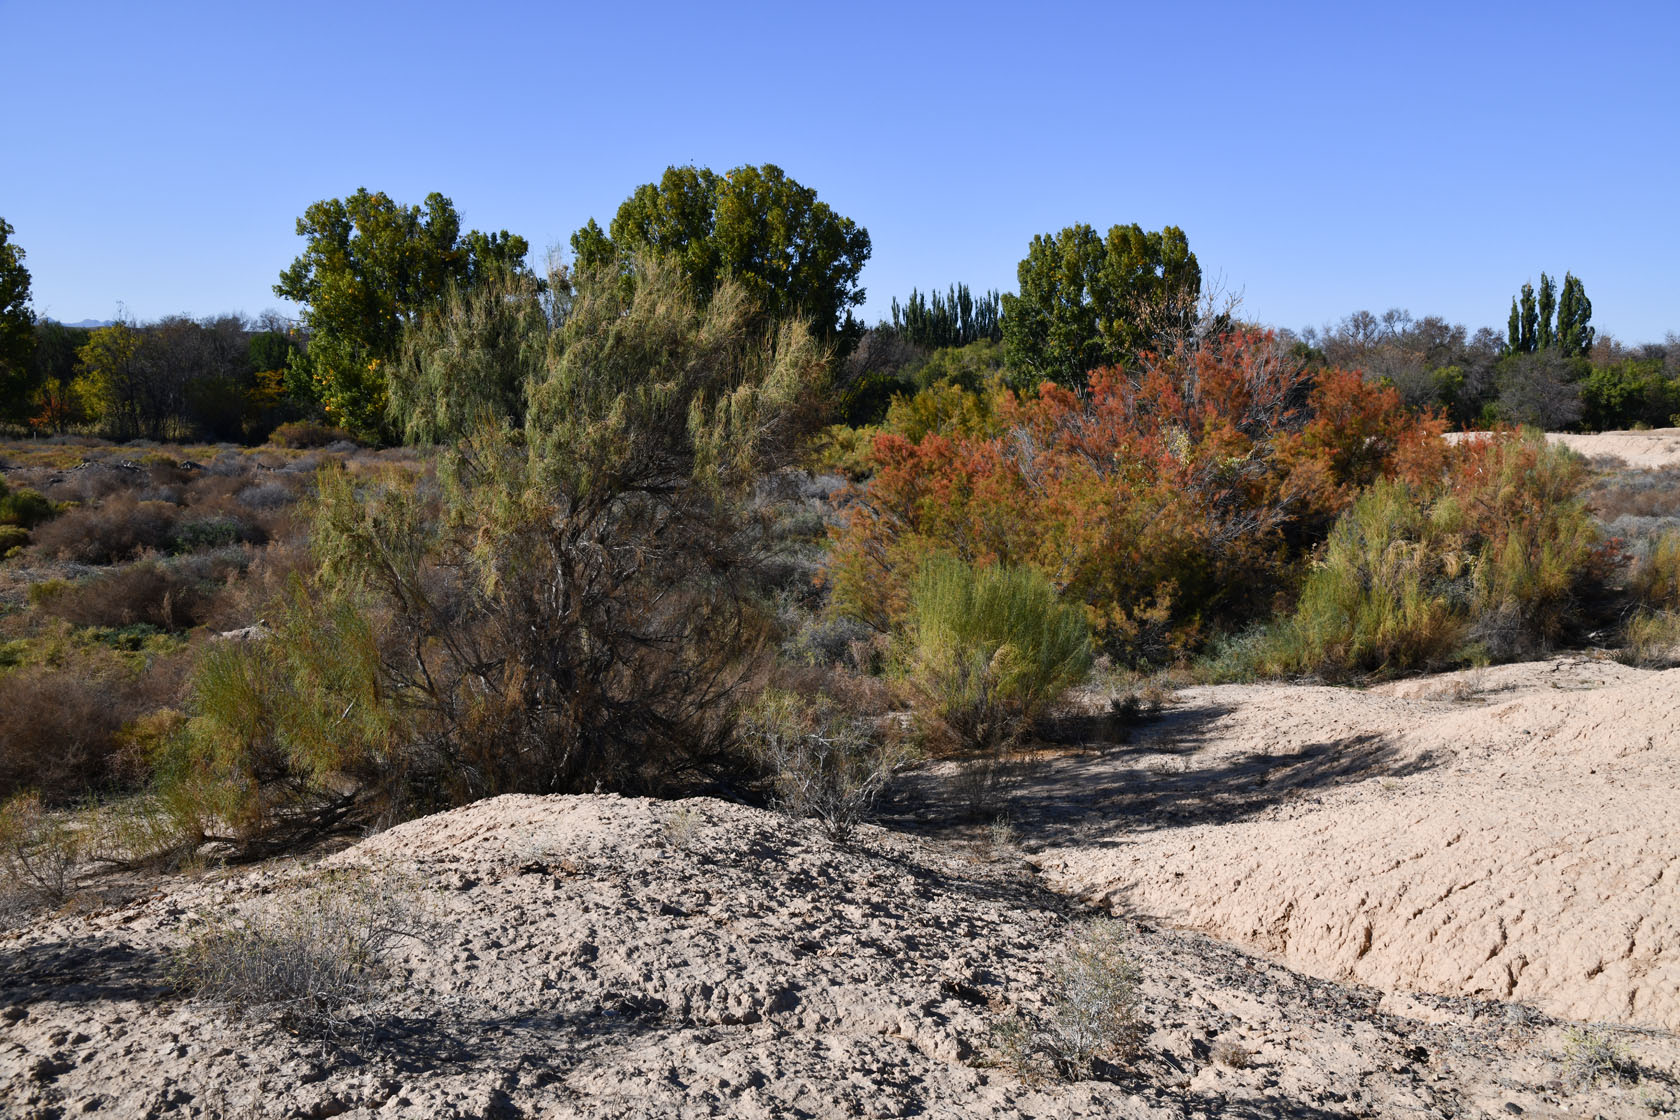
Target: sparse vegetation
[40,853]
[1655,579]
[316,967]
[1652,639]
[1592,1055]
[1232,1054]
[1090,1011]
[825,763]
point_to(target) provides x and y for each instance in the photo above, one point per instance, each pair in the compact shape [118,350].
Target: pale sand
[1507,833]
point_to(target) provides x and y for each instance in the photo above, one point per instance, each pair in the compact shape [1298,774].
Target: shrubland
[1490,559]
[1166,502]
[591,568]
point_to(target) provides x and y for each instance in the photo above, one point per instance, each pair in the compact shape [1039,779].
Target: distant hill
[89,323]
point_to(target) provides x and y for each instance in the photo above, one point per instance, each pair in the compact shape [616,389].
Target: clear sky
[1322,158]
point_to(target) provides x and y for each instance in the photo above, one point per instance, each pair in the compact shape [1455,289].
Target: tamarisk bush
[1490,559]
[1170,501]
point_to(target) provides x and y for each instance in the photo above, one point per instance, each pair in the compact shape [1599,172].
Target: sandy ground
[1659,447]
[607,957]
[1505,833]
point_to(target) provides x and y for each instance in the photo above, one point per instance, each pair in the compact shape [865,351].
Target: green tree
[17,328]
[1547,305]
[953,319]
[53,401]
[1531,327]
[569,607]
[1525,338]
[1574,336]
[791,253]
[111,380]
[370,268]
[1088,301]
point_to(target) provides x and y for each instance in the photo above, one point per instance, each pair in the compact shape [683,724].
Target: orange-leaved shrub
[1171,501]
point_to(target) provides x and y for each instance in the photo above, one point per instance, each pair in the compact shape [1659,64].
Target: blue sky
[1321,157]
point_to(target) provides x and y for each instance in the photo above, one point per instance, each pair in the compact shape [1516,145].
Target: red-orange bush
[1171,501]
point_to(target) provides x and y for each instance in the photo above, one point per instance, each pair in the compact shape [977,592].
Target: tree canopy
[17,321]
[955,318]
[371,266]
[791,253]
[1087,301]
[1531,327]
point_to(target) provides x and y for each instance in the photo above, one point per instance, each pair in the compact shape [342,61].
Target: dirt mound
[1505,833]
[607,957]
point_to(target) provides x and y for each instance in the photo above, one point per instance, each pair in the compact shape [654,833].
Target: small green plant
[682,827]
[826,763]
[138,831]
[315,965]
[24,508]
[1590,1056]
[307,433]
[1655,580]
[990,649]
[1015,1043]
[1001,836]
[1095,1008]
[204,533]
[982,782]
[1091,1011]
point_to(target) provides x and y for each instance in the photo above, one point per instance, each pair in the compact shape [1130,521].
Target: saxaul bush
[570,606]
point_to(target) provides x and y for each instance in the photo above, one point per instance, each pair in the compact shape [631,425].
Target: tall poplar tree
[1532,328]
[1547,304]
[1574,336]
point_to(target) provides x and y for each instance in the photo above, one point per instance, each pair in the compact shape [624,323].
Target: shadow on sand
[1162,779]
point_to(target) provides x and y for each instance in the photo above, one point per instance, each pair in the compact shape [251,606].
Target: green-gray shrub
[40,853]
[315,964]
[1090,1011]
[23,508]
[1488,563]
[1379,597]
[827,764]
[991,648]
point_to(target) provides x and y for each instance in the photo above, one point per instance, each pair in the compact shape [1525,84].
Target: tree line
[378,278]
